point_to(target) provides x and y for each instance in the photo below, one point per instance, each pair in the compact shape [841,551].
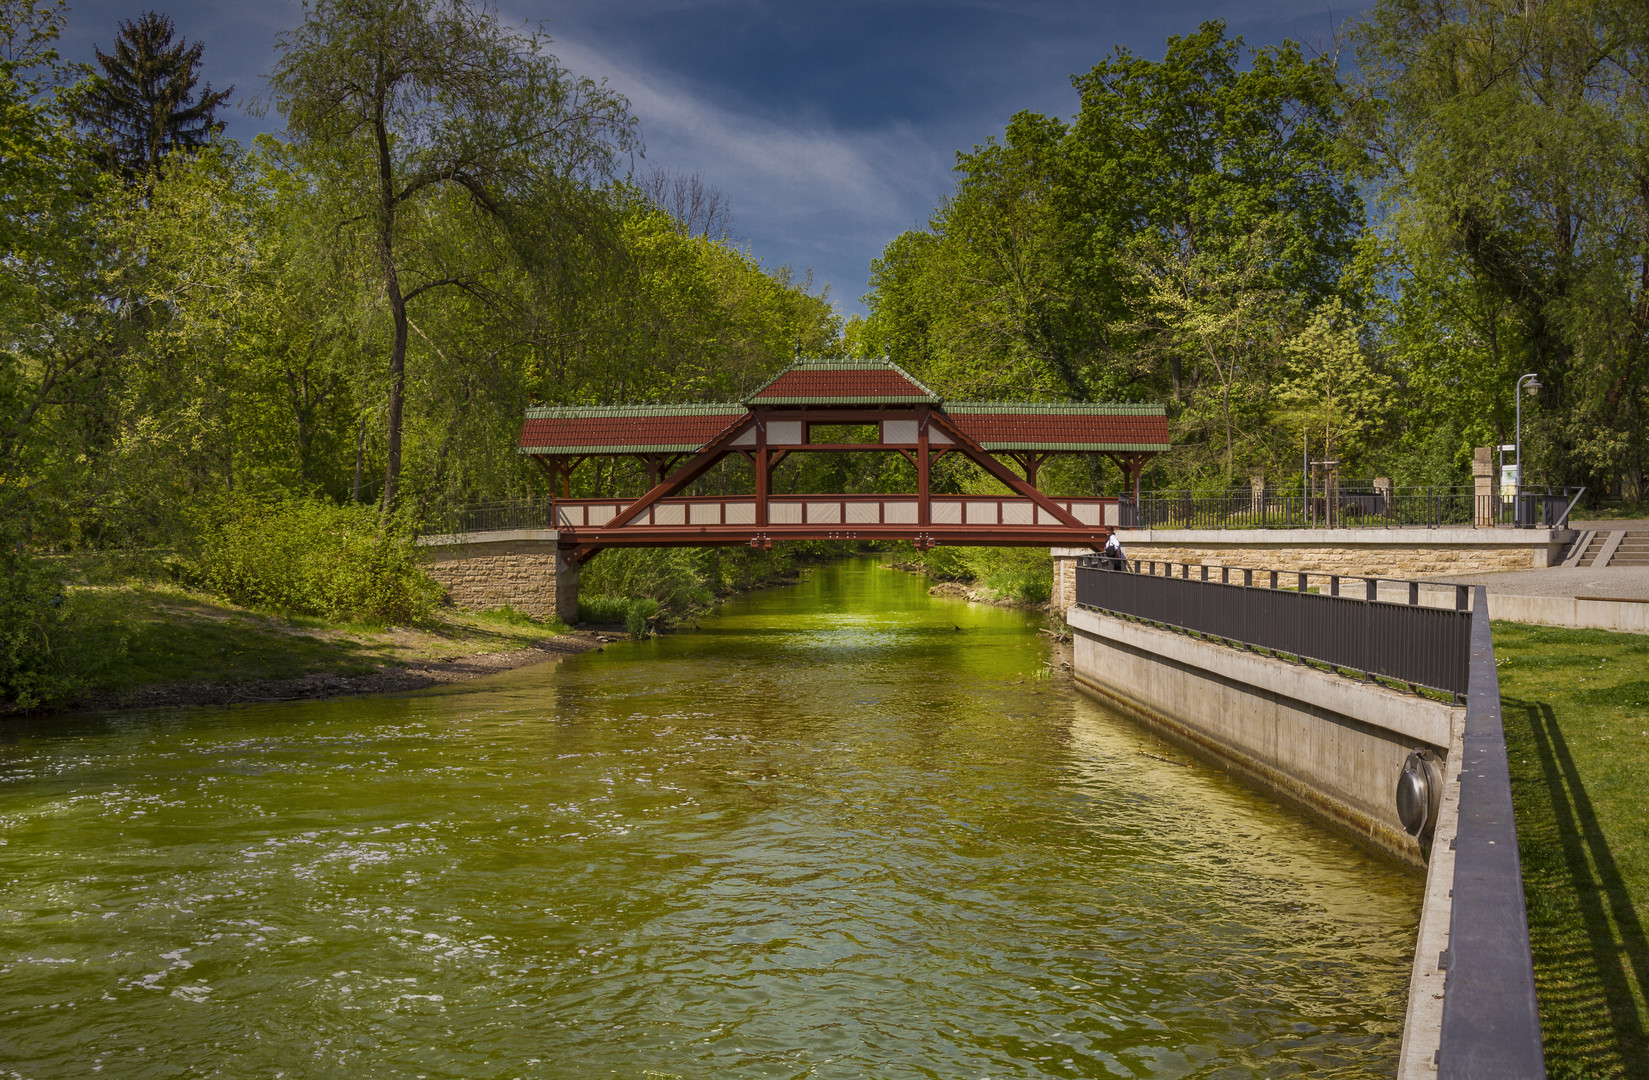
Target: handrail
[1349,507]
[1420,646]
[1491,1017]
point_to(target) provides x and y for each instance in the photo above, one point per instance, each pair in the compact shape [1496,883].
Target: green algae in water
[841,830]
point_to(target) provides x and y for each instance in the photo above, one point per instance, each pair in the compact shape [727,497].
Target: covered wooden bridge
[680,443]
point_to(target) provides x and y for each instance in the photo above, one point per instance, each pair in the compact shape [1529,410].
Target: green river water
[840,830]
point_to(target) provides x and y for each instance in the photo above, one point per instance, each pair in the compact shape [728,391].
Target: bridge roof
[1060,426]
[996,425]
[843,382]
[625,429]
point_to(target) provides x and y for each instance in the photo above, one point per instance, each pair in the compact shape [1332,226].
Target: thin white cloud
[802,193]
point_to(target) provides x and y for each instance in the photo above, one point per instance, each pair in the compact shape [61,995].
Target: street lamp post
[1518,512]
[1534,384]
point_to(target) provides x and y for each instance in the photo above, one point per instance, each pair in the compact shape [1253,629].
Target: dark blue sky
[830,127]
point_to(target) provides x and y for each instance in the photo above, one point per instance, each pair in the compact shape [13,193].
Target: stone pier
[520,568]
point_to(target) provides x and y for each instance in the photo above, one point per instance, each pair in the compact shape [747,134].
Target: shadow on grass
[1590,951]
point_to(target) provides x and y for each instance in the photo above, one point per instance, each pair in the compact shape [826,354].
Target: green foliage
[1507,141]
[636,619]
[314,557]
[33,671]
[675,577]
[1165,245]
[1022,575]
[451,149]
[602,610]
[508,616]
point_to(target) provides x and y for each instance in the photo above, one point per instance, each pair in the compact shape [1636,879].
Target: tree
[403,108]
[1128,253]
[1510,146]
[1332,389]
[143,106]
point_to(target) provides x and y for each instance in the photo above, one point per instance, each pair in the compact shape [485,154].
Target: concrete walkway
[1629,524]
[1606,583]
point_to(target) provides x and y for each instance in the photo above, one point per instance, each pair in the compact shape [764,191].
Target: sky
[829,127]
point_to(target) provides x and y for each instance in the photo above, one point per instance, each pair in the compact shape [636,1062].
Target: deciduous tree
[403,108]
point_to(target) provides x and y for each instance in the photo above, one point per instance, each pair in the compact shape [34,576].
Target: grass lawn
[131,634]
[1576,707]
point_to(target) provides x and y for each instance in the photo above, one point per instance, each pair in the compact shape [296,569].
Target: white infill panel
[1113,515]
[669,514]
[1087,512]
[746,438]
[946,513]
[743,513]
[784,433]
[899,513]
[784,513]
[1017,513]
[569,515]
[899,432]
[600,515]
[824,513]
[937,437]
[981,513]
[862,513]
[704,513]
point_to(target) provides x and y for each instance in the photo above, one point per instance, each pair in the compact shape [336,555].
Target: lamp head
[1533,384]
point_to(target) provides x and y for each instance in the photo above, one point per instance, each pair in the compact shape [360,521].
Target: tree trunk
[397,391]
[360,447]
[398,310]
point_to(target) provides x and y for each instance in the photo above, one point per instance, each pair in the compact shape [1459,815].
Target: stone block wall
[522,570]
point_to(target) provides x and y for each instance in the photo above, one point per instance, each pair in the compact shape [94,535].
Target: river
[841,829]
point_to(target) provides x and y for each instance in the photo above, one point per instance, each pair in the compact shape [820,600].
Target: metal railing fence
[489,517]
[1273,610]
[1356,505]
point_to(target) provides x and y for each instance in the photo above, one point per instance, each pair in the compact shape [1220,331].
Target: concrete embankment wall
[519,568]
[1325,742]
[1391,553]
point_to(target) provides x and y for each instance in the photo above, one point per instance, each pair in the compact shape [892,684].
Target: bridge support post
[566,588]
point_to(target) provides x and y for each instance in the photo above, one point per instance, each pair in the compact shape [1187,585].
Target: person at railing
[1113,557]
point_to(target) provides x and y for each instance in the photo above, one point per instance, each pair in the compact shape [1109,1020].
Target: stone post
[1256,494]
[1382,495]
[566,589]
[1483,487]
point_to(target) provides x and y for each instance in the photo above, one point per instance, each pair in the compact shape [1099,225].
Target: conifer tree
[143,105]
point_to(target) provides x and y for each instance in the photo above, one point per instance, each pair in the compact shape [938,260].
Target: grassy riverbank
[149,642]
[1576,706]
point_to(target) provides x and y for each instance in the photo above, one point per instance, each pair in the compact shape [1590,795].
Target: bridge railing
[489,517]
[1399,639]
[1355,505]
[823,509]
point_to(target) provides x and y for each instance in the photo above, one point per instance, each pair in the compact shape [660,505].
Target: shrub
[635,620]
[1024,575]
[32,618]
[603,609]
[314,557]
